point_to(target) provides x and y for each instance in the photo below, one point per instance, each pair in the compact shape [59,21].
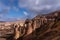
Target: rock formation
[43,27]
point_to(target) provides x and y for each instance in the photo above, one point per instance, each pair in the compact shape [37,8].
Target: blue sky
[11,10]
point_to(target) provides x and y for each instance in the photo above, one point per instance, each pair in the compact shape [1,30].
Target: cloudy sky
[11,10]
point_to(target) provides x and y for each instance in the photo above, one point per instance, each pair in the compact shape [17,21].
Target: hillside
[44,27]
[45,33]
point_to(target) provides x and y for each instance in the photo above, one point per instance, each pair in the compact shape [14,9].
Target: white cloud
[38,5]
[4,8]
[42,7]
[15,8]
[37,2]
[25,13]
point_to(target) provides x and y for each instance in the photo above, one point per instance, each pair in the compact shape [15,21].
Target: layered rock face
[43,27]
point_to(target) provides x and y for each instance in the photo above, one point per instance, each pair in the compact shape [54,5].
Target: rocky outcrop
[43,27]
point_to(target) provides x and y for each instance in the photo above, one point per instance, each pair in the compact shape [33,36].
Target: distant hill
[2,21]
